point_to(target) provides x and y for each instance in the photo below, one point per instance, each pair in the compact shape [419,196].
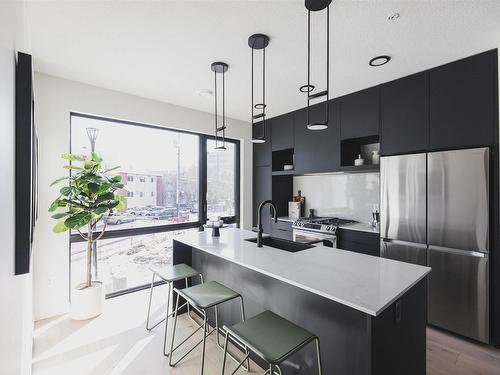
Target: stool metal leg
[173,331]
[243,319]
[166,321]
[225,354]
[247,354]
[149,306]
[319,356]
[204,342]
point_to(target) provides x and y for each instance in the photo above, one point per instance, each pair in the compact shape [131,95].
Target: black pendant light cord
[327,62]
[220,67]
[223,108]
[215,101]
[308,88]
[264,93]
[308,63]
[255,42]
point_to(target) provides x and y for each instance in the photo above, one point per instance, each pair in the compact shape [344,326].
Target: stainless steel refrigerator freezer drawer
[459,292]
[404,251]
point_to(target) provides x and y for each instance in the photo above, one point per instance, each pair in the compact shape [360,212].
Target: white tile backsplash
[349,195]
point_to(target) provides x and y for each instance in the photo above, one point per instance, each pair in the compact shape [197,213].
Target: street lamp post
[92,133]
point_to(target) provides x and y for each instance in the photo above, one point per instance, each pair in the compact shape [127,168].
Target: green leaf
[95,157]
[54,205]
[101,210]
[121,202]
[60,215]
[93,187]
[60,227]
[73,157]
[105,197]
[104,187]
[59,180]
[116,178]
[74,167]
[66,190]
[78,220]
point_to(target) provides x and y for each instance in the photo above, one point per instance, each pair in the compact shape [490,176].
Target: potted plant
[88,198]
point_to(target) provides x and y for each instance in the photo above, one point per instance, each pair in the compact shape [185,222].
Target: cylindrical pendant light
[314,6]
[220,128]
[259,41]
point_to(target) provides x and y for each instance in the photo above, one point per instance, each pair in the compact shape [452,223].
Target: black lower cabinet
[358,241]
[317,151]
[262,191]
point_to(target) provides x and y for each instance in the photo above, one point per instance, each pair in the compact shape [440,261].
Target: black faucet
[259,220]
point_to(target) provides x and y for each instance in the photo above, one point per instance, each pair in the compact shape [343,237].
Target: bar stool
[272,338]
[203,297]
[170,274]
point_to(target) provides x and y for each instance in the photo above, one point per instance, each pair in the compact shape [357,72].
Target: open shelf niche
[351,148]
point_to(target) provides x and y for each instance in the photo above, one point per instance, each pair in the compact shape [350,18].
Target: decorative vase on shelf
[359,161]
[375,157]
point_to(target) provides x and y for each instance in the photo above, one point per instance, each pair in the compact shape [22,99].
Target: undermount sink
[278,243]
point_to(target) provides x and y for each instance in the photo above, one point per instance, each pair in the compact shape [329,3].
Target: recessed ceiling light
[380,60]
[393,17]
[205,93]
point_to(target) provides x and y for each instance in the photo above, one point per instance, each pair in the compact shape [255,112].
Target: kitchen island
[369,312]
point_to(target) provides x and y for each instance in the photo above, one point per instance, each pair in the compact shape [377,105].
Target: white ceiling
[163,49]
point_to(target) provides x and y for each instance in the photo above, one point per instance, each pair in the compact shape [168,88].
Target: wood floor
[117,343]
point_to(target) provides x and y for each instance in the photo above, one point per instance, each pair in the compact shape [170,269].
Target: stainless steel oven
[310,236]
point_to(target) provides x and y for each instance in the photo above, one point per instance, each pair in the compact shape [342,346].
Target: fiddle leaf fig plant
[88,198]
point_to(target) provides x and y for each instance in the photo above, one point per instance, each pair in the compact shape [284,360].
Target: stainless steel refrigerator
[434,211]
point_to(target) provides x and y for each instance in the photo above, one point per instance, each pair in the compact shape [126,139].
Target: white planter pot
[87,303]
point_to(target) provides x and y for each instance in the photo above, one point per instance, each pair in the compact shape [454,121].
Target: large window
[221,181]
[165,173]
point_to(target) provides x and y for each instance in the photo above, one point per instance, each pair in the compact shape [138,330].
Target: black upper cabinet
[359,113]
[262,190]
[283,132]
[262,151]
[463,102]
[317,151]
[404,107]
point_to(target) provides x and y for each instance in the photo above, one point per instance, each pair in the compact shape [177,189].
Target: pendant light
[220,129]
[314,6]
[259,42]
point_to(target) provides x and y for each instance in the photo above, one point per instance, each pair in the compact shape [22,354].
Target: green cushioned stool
[272,338]
[170,274]
[203,297]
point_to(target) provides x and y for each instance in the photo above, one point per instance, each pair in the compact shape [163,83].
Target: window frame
[202,192]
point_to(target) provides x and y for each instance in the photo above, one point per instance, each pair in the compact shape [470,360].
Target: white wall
[348,196]
[16,319]
[55,98]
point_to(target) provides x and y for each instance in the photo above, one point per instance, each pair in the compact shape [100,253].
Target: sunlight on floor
[116,343]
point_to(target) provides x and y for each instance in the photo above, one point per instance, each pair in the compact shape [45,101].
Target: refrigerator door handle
[458,251]
[406,243]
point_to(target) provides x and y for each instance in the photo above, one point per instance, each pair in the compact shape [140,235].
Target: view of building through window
[221,171]
[160,170]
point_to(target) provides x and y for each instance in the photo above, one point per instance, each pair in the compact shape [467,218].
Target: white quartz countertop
[362,282]
[362,227]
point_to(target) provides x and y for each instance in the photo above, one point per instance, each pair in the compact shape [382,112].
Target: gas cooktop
[321,224]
